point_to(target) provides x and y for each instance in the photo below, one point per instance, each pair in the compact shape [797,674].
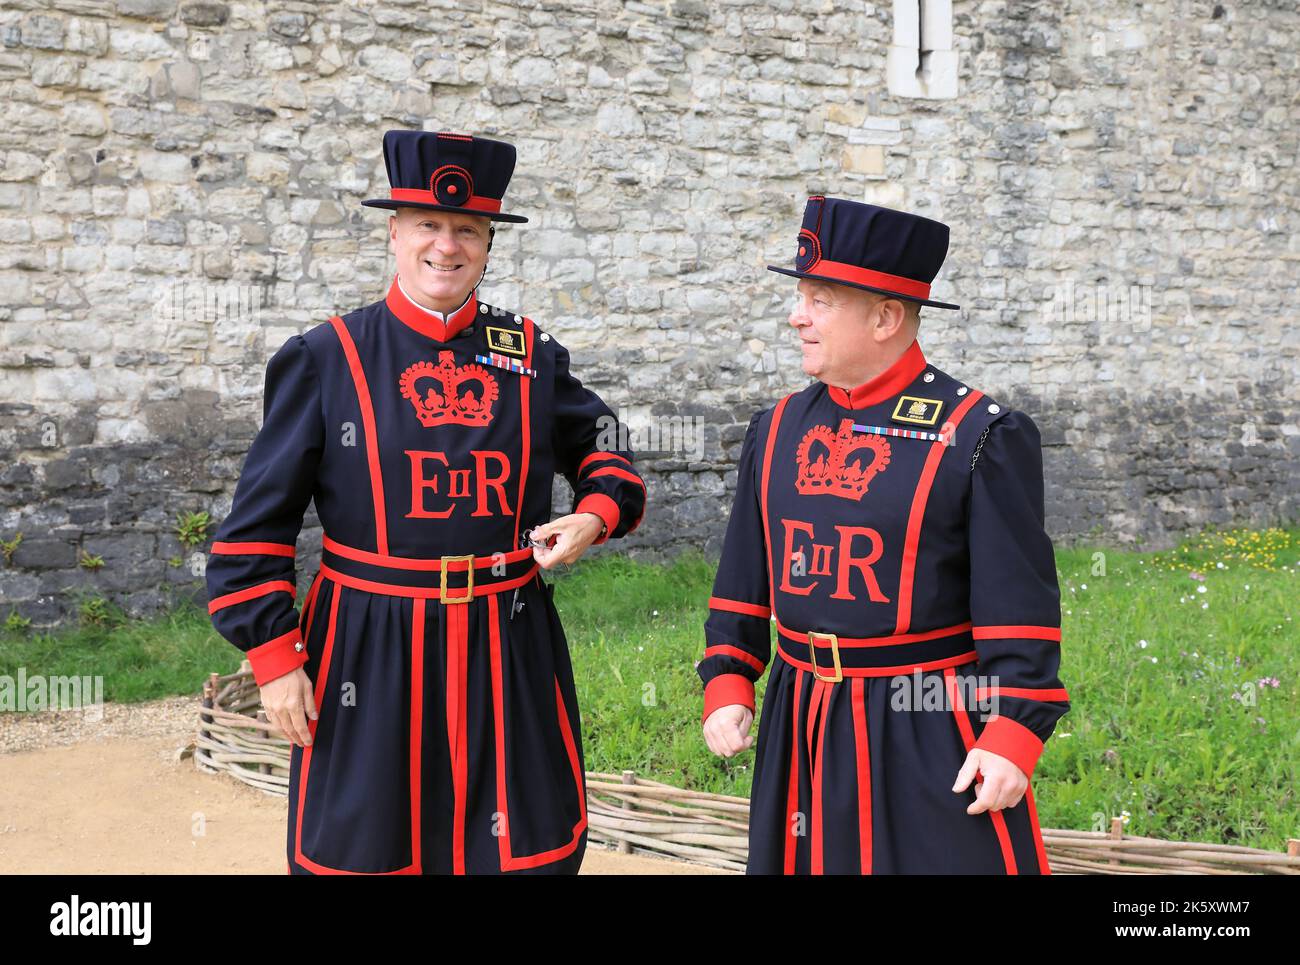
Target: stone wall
[179,188]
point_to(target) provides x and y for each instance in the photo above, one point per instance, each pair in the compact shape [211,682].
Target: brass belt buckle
[835,655]
[442,580]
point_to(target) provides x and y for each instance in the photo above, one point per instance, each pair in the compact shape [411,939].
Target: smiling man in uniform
[888,524]
[426,684]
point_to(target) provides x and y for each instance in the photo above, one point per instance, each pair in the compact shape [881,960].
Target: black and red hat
[447,172]
[864,245]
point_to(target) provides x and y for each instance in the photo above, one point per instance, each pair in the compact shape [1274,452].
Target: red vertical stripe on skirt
[457,617]
[417,723]
[499,728]
[825,706]
[318,692]
[968,740]
[309,610]
[322,676]
[792,777]
[1043,866]
[509,861]
[863,751]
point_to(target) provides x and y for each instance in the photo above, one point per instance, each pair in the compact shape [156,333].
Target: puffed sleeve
[251,576]
[737,632]
[1015,599]
[590,452]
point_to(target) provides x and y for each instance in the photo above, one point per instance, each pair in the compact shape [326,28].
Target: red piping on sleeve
[735,606]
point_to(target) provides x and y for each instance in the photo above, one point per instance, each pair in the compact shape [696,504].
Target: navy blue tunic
[897,530]
[449,738]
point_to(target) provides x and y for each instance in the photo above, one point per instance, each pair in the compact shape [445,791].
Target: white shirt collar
[436,314]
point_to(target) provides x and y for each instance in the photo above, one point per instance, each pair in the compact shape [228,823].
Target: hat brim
[494,216]
[869,288]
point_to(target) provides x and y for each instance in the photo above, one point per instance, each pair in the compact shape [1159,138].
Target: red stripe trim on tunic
[600,457]
[824,708]
[792,775]
[525,420]
[862,751]
[968,741]
[767,473]
[498,728]
[252,549]
[1016,633]
[792,779]
[917,515]
[736,606]
[571,746]
[309,606]
[415,741]
[1044,867]
[252,593]
[620,473]
[723,650]
[456,620]
[1029,693]
[510,861]
[372,438]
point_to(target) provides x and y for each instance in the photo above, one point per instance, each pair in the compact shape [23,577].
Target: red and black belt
[831,657]
[448,579]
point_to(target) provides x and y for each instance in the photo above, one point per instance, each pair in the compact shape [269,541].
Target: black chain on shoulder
[978,446]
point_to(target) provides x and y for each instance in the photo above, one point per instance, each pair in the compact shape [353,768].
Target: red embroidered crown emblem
[450,405]
[839,467]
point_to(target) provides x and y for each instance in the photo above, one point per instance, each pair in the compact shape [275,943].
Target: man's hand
[727,730]
[573,534]
[289,701]
[998,782]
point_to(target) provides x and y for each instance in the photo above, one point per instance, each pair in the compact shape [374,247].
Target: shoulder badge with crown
[450,405]
[835,471]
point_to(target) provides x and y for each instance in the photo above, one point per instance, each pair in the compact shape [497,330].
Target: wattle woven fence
[633,814]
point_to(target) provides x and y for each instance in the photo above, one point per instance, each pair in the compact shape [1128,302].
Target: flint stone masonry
[180,187]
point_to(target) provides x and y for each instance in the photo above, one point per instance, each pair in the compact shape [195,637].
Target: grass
[1182,668]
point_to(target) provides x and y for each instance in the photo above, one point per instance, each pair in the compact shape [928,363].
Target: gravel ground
[176,717]
[114,795]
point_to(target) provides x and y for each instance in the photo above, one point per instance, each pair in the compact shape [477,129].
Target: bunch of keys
[526,539]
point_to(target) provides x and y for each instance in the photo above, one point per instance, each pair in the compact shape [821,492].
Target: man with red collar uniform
[428,426]
[888,520]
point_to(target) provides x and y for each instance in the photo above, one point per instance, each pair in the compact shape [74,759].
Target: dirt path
[114,797]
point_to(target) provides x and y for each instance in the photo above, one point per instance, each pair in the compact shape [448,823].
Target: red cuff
[605,508]
[1014,741]
[277,657]
[726,689]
